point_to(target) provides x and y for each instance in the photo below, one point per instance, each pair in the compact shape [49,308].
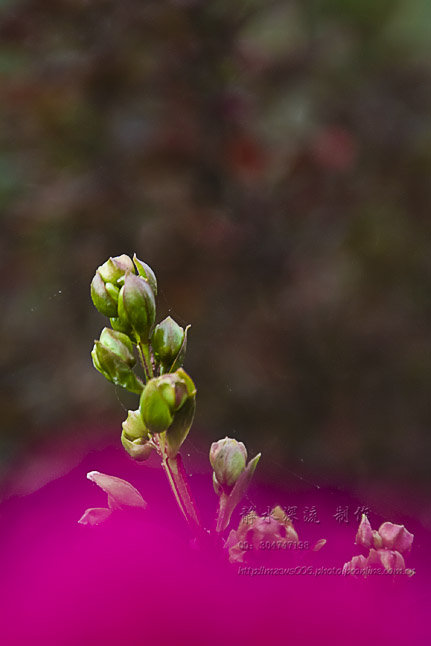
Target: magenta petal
[395,537]
[364,535]
[388,559]
[319,544]
[94,516]
[120,493]
[355,566]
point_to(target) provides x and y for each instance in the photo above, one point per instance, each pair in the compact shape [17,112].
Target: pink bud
[396,537]
[364,534]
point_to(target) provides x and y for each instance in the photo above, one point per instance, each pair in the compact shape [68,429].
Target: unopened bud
[136,306]
[155,410]
[134,427]
[167,341]
[228,458]
[119,344]
[115,268]
[103,301]
[168,404]
[113,358]
[125,328]
[139,449]
[147,273]
[106,284]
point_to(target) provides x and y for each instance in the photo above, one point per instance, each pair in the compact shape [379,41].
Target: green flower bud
[102,299]
[139,449]
[106,283]
[167,341]
[136,306]
[134,427]
[120,344]
[147,273]
[155,410]
[168,404]
[228,458]
[113,358]
[119,326]
[115,268]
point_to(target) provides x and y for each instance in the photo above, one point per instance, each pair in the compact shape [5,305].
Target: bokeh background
[271,160]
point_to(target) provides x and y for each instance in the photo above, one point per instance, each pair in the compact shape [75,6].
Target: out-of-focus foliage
[271,161]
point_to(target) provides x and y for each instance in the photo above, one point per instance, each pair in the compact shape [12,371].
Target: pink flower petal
[395,537]
[120,493]
[94,516]
[355,566]
[364,534]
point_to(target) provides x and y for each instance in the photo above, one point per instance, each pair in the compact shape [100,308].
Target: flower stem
[144,353]
[177,478]
[221,511]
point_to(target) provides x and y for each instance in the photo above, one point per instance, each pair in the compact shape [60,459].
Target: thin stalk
[174,489]
[221,511]
[177,478]
[146,359]
[144,355]
[143,362]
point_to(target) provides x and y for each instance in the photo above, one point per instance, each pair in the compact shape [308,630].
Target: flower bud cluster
[124,289]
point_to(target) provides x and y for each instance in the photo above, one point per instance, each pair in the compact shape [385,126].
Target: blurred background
[271,161]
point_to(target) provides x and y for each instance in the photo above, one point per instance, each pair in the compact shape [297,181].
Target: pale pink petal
[356,565]
[364,534]
[319,544]
[395,537]
[94,516]
[120,493]
[377,540]
[388,559]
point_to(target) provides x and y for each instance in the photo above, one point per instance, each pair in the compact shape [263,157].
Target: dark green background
[271,161]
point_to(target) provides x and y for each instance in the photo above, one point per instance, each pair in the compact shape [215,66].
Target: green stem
[171,480]
[221,511]
[141,356]
[144,353]
[177,478]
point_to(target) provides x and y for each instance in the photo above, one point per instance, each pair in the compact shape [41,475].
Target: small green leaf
[236,494]
[180,427]
[146,272]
